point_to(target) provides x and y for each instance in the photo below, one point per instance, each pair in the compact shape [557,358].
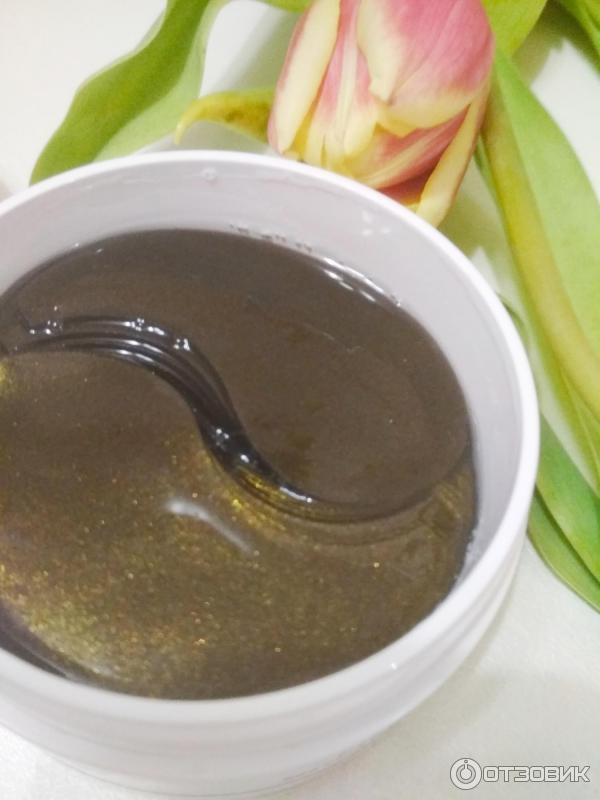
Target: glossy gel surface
[132,559]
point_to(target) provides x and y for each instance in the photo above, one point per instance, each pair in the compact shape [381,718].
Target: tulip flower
[389,92]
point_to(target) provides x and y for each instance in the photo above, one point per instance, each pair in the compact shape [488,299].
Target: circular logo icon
[465,773]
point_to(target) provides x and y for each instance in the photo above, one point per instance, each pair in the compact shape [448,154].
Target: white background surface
[531,692]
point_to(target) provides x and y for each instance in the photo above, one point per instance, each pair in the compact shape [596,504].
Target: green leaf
[587,13]
[574,505]
[556,551]
[552,220]
[513,20]
[289,5]
[568,207]
[138,99]
[245,111]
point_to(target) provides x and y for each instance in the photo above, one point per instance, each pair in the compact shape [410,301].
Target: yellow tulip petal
[308,55]
[440,190]
[345,114]
[246,111]
[363,112]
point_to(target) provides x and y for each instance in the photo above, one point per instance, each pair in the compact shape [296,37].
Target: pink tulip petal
[309,53]
[409,192]
[441,188]
[427,60]
[345,114]
[390,160]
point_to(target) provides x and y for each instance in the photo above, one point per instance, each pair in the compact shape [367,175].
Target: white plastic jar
[254,744]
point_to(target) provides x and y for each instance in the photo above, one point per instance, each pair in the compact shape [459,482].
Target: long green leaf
[574,501]
[552,220]
[556,551]
[587,13]
[575,506]
[138,99]
[141,97]
[568,207]
[513,20]
[289,5]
